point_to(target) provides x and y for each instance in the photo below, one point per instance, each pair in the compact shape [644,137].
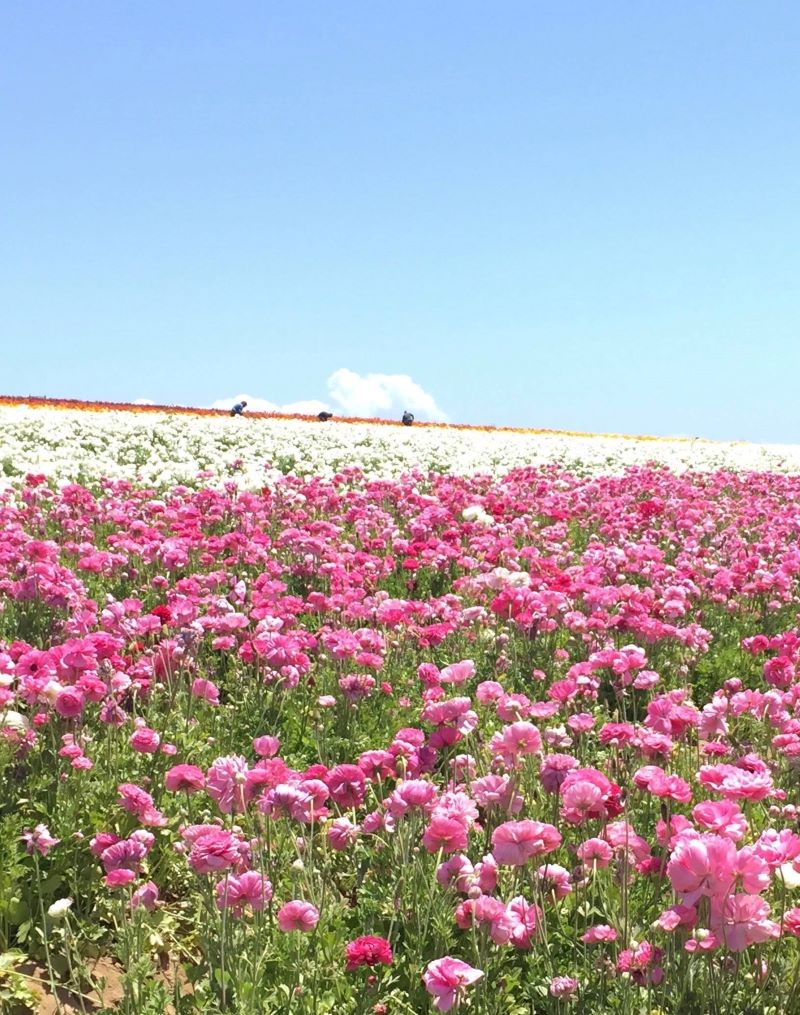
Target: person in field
[323,416]
[408,418]
[239,408]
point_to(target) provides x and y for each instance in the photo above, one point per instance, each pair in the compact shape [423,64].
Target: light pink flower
[447,980]
[226,782]
[515,842]
[298,915]
[742,920]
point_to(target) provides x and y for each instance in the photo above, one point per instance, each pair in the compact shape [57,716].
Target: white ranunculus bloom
[59,909]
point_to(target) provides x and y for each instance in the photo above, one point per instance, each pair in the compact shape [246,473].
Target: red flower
[368,951]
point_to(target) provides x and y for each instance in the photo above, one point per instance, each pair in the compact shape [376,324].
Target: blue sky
[572,215]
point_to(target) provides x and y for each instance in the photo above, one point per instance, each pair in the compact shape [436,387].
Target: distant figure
[322,416]
[239,408]
[408,418]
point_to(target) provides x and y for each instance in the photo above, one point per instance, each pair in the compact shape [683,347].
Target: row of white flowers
[157,448]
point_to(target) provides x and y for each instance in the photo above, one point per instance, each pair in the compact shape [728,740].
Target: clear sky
[567,214]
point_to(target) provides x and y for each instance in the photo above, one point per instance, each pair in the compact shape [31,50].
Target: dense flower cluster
[447,731]
[195,447]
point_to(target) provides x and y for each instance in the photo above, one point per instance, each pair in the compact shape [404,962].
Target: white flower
[14,721]
[59,909]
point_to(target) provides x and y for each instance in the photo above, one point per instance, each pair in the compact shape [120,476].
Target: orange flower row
[184,410]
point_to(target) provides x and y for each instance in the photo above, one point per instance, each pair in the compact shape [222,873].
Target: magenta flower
[367,951]
[447,980]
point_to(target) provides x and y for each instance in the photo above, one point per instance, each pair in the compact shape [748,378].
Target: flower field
[337,718]
[153,445]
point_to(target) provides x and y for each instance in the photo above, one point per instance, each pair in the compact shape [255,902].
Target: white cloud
[143,401]
[379,394]
[354,394]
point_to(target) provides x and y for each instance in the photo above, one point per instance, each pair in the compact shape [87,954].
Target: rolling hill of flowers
[341,717]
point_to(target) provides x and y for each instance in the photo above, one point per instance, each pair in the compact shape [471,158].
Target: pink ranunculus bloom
[791,921]
[446,833]
[367,951]
[144,740]
[722,817]
[347,785]
[214,850]
[595,853]
[342,833]
[553,770]
[670,787]
[563,986]
[298,915]
[248,889]
[226,783]
[125,853]
[736,783]
[39,840]
[741,920]
[69,702]
[702,865]
[523,918]
[587,794]
[266,746]
[515,842]
[601,932]
[555,879]
[457,873]
[120,877]
[184,778]
[447,980]
[146,896]
[458,673]
[137,801]
[205,689]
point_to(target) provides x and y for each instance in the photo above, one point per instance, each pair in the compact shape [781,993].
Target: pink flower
[213,851]
[342,833]
[368,951]
[523,919]
[742,920]
[563,986]
[144,740]
[145,896]
[347,785]
[226,782]
[595,853]
[722,817]
[588,794]
[39,840]
[248,889]
[515,842]
[186,778]
[298,915]
[266,746]
[120,877]
[446,833]
[205,689]
[135,800]
[447,979]
[600,932]
[69,702]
